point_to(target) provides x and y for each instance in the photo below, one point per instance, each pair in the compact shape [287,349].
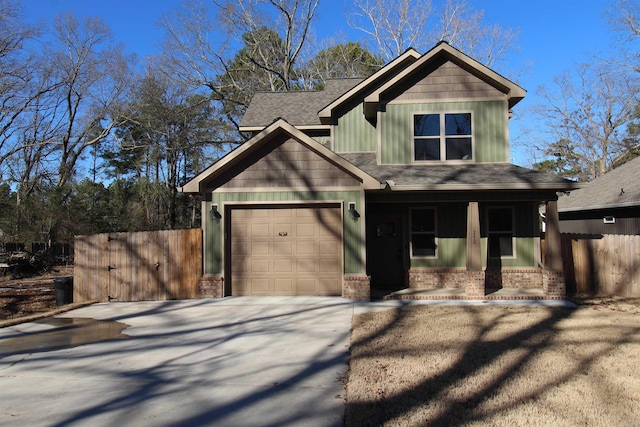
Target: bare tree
[204,40]
[93,75]
[588,112]
[394,26]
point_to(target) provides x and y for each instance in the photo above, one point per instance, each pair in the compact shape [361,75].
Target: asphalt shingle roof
[620,186]
[297,108]
[498,175]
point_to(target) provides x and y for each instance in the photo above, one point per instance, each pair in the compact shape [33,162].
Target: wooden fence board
[602,265]
[156,265]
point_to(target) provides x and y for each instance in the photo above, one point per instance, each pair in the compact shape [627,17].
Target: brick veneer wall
[357,287]
[553,284]
[520,278]
[437,278]
[211,287]
[457,278]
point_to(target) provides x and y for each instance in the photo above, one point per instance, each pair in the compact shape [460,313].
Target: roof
[443,50]
[619,187]
[299,108]
[472,176]
[275,129]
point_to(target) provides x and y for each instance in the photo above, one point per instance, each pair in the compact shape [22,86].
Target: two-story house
[398,181]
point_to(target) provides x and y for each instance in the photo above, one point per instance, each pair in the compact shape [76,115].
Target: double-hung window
[423,233]
[442,136]
[500,232]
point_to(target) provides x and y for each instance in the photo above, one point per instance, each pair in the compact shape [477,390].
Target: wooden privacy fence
[602,265]
[156,265]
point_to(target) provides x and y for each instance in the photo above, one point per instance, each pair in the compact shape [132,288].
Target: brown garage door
[286,251]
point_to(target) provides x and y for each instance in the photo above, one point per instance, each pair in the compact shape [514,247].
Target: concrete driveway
[240,361]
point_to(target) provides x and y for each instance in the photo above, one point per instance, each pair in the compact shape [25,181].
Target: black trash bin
[64,290]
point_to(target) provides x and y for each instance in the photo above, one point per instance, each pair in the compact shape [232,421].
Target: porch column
[475,278]
[553,275]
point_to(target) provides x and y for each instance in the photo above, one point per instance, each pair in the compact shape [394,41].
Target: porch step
[459,294]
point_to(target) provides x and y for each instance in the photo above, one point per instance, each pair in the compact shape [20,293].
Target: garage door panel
[282,248]
[286,251]
[305,230]
[260,266]
[260,230]
[283,286]
[260,248]
[330,286]
[326,247]
[327,265]
[260,286]
[284,265]
[307,286]
[306,265]
[307,247]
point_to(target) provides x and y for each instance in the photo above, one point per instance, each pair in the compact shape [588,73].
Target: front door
[386,252]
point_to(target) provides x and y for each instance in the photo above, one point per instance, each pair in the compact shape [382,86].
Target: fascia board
[513,90]
[410,54]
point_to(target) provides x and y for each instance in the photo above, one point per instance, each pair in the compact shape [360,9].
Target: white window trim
[513,232]
[435,232]
[443,137]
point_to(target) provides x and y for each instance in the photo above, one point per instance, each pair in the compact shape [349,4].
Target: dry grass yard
[498,366]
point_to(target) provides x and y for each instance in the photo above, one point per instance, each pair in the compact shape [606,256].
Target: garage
[286,250]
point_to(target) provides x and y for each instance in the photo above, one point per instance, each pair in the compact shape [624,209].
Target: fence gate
[158,265]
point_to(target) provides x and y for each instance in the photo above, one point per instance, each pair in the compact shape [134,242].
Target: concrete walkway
[230,362]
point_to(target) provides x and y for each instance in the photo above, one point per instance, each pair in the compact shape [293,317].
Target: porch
[460,294]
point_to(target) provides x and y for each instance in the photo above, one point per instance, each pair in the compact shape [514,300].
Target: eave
[199,183]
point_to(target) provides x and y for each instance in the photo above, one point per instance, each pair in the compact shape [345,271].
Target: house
[610,204]
[400,180]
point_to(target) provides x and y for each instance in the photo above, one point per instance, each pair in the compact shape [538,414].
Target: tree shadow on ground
[471,373]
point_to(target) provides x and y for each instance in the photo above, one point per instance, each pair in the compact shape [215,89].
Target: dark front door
[386,252]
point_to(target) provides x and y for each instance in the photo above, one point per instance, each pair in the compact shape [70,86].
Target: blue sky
[554,35]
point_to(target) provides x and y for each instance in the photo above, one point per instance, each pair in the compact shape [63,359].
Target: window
[500,232]
[442,136]
[423,233]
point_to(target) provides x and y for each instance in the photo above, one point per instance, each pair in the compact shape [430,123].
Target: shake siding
[353,237]
[489,127]
[354,134]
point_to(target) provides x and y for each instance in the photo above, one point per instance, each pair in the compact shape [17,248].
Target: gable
[282,147]
[449,81]
[284,164]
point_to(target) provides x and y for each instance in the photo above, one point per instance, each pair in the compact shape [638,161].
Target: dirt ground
[29,295]
[498,366]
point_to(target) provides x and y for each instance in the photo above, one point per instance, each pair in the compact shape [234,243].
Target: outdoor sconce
[353,212]
[215,214]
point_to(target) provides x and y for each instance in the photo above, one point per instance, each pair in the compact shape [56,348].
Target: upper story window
[442,136]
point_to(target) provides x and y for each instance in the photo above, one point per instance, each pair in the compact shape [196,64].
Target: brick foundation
[438,278]
[553,284]
[520,278]
[356,287]
[457,278]
[211,287]
[474,288]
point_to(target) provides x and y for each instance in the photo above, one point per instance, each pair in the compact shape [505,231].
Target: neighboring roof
[277,128]
[472,176]
[514,92]
[619,187]
[299,108]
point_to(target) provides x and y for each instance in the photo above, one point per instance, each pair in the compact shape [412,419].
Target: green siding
[451,233]
[354,134]
[352,235]
[489,129]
